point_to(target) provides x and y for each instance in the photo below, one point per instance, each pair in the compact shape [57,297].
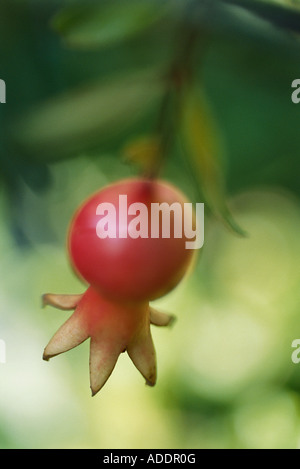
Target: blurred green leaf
[88,26]
[285,14]
[84,118]
[204,149]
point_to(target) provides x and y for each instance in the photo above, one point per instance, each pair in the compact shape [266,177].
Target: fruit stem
[178,76]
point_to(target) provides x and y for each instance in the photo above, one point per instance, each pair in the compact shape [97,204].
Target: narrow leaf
[99,25]
[285,14]
[205,151]
[84,118]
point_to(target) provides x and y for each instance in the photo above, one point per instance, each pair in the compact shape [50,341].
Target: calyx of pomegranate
[127,329]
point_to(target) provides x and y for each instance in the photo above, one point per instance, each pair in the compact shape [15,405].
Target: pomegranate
[127,242]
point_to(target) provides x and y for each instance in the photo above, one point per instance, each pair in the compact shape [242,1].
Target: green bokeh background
[225,375]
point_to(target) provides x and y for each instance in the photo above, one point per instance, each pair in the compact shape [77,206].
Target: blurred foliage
[101,25]
[203,145]
[283,13]
[199,92]
[102,109]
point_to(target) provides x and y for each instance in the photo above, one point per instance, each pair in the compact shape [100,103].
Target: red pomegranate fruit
[128,243]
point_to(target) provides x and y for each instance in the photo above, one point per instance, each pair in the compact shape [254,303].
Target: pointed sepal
[64,302]
[142,352]
[103,358]
[72,333]
[158,318]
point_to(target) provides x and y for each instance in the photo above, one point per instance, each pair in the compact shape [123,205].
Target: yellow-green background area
[225,375]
